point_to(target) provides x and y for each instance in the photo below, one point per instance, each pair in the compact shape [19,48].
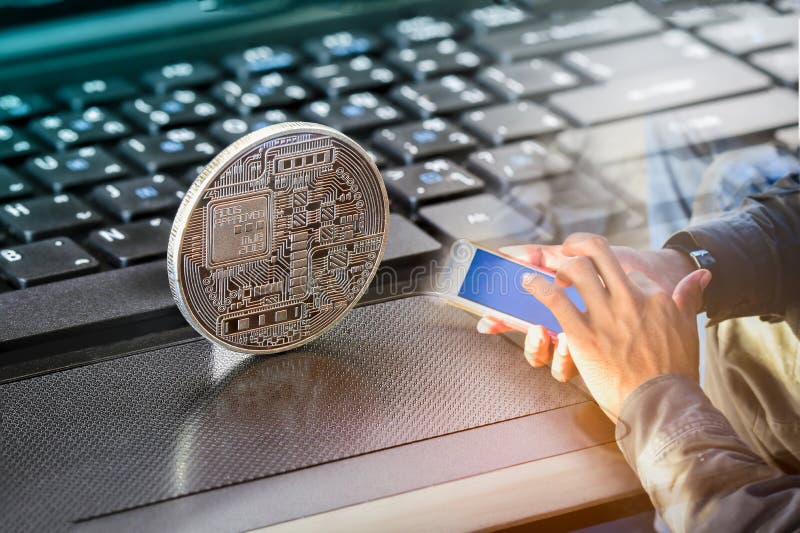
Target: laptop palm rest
[141,436]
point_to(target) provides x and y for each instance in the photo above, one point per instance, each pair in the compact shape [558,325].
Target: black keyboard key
[526,79]
[134,198]
[377,156]
[132,243]
[228,130]
[780,63]
[360,73]
[787,6]
[18,106]
[585,28]
[660,89]
[40,262]
[673,47]
[97,91]
[260,60]
[407,244]
[342,44]
[512,164]
[46,216]
[189,175]
[180,75]
[482,218]
[574,202]
[660,190]
[507,122]
[84,166]
[442,96]
[420,140]
[358,111]
[496,17]
[692,14]
[428,182]
[269,90]
[15,143]
[12,185]
[178,147]
[748,35]
[435,59]
[696,125]
[178,108]
[76,128]
[421,29]
[262,119]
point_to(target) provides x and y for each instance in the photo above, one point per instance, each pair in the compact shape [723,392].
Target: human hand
[666,267]
[633,329]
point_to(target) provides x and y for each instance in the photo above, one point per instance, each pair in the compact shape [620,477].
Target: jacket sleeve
[757,251]
[698,473]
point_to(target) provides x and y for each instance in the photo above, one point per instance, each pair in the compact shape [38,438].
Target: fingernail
[705,279]
[483,326]
[532,345]
[528,278]
[533,339]
[562,347]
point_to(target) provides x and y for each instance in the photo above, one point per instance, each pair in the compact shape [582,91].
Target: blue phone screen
[496,282]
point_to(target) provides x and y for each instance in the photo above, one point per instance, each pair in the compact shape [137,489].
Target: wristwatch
[684,242]
[701,257]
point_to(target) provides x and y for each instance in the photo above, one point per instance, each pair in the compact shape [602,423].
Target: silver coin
[278,238]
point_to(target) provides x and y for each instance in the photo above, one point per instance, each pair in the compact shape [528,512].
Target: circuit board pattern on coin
[278,237]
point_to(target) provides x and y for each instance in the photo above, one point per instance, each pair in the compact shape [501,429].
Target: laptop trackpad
[175,421]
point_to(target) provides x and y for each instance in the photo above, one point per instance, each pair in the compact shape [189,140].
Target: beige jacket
[728,459]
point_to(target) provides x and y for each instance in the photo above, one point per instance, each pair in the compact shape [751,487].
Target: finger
[580,272]
[597,249]
[563,367]
[688,293]
[544,256]
[538,346]
[554,298]
[489,325]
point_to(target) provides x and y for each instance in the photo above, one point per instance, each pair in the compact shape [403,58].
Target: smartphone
[486,283]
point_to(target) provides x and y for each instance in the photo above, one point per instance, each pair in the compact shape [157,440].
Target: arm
[757,249]
[637,350]
[698,473]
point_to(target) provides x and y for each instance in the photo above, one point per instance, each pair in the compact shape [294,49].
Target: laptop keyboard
[494,125]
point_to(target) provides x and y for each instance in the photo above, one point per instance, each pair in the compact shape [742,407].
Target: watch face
[702,258]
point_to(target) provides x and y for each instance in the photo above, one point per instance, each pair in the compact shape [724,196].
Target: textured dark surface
[137,290]
[175,421]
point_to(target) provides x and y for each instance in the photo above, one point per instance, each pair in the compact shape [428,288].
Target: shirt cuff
[660,415]
[742,259]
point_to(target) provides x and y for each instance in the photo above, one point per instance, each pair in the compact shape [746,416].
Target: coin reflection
[276,411]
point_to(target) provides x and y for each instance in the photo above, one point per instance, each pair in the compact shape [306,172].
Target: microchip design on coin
[278,237]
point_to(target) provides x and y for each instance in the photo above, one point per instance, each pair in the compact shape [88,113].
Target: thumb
[688,293]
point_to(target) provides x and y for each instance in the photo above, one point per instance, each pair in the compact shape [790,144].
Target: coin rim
[194,195]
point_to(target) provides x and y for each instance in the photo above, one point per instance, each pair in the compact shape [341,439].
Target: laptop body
[117,415]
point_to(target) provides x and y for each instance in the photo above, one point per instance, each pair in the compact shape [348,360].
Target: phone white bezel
[457,267]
